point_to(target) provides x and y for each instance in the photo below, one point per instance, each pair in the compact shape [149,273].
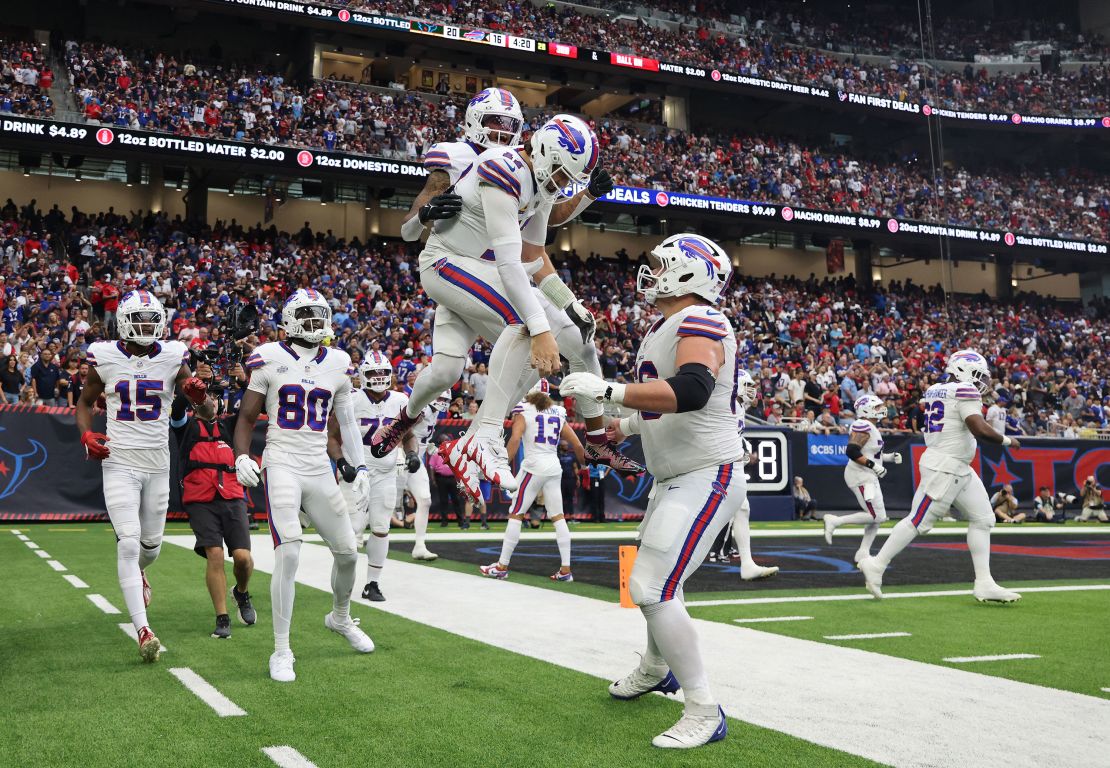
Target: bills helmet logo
[971,357]
[698,249]
[570,138]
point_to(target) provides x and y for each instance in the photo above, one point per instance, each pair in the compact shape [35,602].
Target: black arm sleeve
[178,410]
[854,451]
[692,385]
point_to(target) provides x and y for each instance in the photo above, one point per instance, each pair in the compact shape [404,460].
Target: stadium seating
[25,78]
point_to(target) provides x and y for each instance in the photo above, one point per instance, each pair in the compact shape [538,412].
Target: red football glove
[195,389]
[94,443]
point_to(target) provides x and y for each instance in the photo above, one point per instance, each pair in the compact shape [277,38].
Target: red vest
[209,468]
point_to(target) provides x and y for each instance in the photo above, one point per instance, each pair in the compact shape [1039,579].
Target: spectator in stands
[1047,508]
[45,376]
[11,379]
[805,506]
[1005,506]
[1091,502]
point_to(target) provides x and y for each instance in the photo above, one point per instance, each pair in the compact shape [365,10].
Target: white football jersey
[372,415]
[138,393]
[872,449]
[675,443]
[301,387]
[452,157]
[541,438]
[949,444]
[465,234]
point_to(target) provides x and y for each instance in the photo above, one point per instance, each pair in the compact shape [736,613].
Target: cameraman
[1047,508]
[1005,506]
[213,498]
[1090,501]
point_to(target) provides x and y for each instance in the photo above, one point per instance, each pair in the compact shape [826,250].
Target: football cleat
[989,592]
[223,627]
[872,576]
[281,666]
[693,731]
[560,576]
[638,683]
[495,571]
[388,436]
[147,593]
[608,453]
[358,639]
[465,471]
[244,607]
[150,648]
[754,572]
[422,553]
[830,526]
[490,456]
[372,593]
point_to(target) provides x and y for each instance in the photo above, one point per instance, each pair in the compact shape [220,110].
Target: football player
[741,524]
[138,376]
[863,472]
[306,390]
[685,411]
[953,423]
[483,289]
[539,424]
[376,403]
[418,483]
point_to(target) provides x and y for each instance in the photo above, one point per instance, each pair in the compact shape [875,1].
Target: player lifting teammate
[953,422]
[685,412]
[303,387]
[137,376]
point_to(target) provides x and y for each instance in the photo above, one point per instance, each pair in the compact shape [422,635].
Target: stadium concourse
[810,311]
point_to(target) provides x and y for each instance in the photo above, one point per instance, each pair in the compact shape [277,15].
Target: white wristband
[615,393]
[1006,441]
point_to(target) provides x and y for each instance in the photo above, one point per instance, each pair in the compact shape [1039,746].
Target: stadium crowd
[813,346]
[159,92]
[25,79]
[785,43]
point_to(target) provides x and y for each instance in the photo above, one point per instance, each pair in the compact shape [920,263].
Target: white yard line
[75,581]
[887,595]
[21,537]
[31,544]
[772,618]
[43,554]
[102,603]
[287,757]
[868,636]
[748,669]
[206,692]
[1000,657]
[55,565]
[129,630]
[16,532]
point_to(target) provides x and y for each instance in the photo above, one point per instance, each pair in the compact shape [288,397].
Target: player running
[540,424]
[306,390]
[489,194]
[138,376]
[418,483]
[953,422]
[376,403]
[863,472]
[686,415]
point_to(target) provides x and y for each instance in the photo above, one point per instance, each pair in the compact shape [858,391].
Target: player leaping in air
[685,413]
[304,386]
[480,195]
[138,376]
[953,422]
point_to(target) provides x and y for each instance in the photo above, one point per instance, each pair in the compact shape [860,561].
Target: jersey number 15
[147,400]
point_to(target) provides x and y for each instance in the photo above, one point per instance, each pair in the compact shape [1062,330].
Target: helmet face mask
[746,392]
[685,264]
[493,118]
[564,153]
[306,317]
[442,402]
[969,367]
[141,319]
[501,130]
[376,373]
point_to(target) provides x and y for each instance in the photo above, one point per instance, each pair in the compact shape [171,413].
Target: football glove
[591,387]
[601,183]
[880,471]
[893,458]
[95,447]
[412,462]
[443,206]
[195,390]
[346,470]
[246,471]
[583,319]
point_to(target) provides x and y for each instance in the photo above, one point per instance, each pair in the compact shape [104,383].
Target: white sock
[652,663]
[512,537]
[869,532]
[979,545]
[420,522]
[510,357]
[147,555]
[283,590]
[377,549]
[900,537]
[562,538]
[343,569]
[856,518]
[742,534]
[130,580]
[673,632]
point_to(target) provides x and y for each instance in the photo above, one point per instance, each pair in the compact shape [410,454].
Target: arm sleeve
[412,229]
[585,202]
[535,229]
[501,225]
[631,425]
[179,412]
[348,428]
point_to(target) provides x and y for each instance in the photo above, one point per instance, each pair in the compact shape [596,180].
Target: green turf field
[76,693]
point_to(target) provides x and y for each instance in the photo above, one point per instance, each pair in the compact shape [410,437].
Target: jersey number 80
[296,407]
